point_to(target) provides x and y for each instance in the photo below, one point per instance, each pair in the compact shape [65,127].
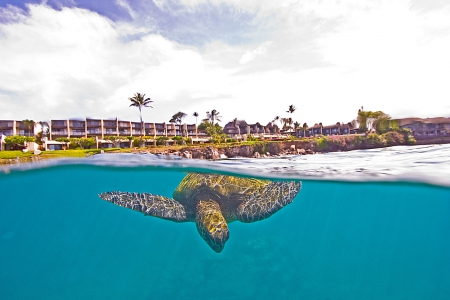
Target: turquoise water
[337,240]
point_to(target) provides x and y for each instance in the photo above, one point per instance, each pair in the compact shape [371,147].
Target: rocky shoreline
[266,149]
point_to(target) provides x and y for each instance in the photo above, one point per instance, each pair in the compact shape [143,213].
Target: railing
[110,132]
[59,133]
[77,133]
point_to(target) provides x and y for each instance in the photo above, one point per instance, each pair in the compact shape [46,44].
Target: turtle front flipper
[149,204]
[265,202]
[211,224]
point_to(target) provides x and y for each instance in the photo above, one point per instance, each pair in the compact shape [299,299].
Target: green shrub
[161,140]
[322,143]
[394,138]
[374,140]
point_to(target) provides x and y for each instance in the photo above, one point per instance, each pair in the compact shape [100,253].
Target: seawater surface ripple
[370,224]
[423,164]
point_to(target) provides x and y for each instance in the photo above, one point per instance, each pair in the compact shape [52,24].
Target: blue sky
[247,59]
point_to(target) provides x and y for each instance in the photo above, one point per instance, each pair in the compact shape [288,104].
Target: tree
[29,124]
[368,119]
[63,140]
[210,128]
[304,127]
[114,139]
[291,109]
[195,114]
[45,132]
[83,142]
[276,119]
[235,120]
[177,119]
[296,125]
[212,116]
[139,101]
[17,141]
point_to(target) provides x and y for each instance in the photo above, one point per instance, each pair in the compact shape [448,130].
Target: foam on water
[352,236]
[423,164]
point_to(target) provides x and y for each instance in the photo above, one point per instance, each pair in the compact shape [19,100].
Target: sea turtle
[211,201]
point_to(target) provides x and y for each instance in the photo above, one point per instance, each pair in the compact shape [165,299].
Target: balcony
[6,124]
[124,132]
[93,123]
[77,133]
[59,124]
[96,131]
[109,124]
[59,133]
[6,132]
[110,131]
[77,124]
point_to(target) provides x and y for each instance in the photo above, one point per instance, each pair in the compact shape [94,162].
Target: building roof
[408,121]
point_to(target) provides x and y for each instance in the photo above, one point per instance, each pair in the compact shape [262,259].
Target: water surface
[379,233]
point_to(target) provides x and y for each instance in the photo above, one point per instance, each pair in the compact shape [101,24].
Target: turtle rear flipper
[263,203]
[149,204]
[211,224]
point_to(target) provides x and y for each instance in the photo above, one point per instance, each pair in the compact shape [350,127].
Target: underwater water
[377,228]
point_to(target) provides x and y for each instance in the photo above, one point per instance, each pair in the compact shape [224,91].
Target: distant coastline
[252,149]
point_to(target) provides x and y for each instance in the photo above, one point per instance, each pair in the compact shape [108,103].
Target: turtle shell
[217,187]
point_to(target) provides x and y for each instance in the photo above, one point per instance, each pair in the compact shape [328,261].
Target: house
[236,129]
[423,128]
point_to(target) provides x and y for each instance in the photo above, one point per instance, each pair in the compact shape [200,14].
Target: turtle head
[211,224]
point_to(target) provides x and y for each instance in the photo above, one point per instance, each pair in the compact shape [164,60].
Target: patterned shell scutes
[265,202]
[221,184]
[149,204]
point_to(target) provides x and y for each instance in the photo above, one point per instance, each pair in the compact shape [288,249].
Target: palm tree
[177,119]
[291,109]
[139,101]
[195,114]
[235,124]
[277,118]
[212,116]
[304,127]
[29,124]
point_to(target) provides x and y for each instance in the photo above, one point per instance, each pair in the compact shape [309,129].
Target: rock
[301,151]
[256,155]
[246,151]
[292,147]
[223,156]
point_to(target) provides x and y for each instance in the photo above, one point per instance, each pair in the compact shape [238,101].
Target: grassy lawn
[23,157]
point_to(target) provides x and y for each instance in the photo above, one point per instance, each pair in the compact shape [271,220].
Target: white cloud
[250,55]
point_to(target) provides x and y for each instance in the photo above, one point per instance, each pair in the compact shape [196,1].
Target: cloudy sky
[247,59]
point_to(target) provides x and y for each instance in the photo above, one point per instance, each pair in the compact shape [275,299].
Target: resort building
[239,128]
[319,129]
[429,127]
[12,127]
